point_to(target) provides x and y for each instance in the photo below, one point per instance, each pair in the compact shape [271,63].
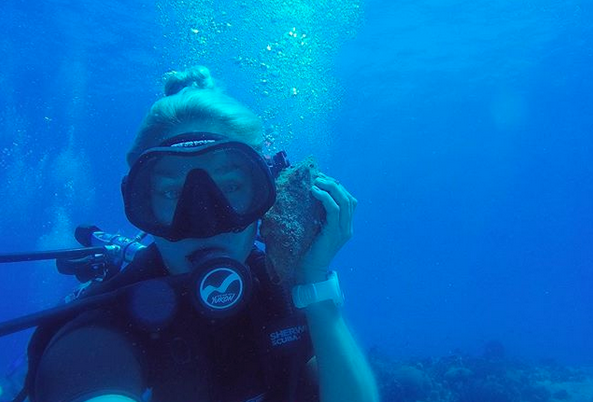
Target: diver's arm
[343,371]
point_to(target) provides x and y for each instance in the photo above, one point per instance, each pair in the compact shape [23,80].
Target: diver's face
[167,186]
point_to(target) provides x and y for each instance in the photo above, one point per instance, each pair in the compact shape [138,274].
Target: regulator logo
[221,288]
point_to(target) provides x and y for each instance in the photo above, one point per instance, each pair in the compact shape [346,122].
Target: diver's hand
[339,206]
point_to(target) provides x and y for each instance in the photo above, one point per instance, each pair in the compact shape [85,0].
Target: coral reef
[291,225]
[492,377]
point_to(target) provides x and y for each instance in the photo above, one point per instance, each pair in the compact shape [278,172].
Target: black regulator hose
[50,255]
[59,312]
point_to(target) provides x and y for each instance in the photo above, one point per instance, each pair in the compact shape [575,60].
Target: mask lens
[235,174]
[226,182]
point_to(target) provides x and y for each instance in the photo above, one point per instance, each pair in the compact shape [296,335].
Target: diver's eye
[171,194]
[230,188]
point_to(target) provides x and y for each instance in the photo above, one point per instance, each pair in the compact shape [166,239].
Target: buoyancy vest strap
[281,366]
[293,380]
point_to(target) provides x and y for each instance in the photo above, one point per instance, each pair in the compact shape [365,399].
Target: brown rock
[291,225]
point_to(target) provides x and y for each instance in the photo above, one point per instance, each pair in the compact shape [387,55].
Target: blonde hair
[192,95]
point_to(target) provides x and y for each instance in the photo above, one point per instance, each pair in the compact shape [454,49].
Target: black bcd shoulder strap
[283,333]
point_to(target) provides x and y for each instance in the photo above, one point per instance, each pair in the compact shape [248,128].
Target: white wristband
[305,295]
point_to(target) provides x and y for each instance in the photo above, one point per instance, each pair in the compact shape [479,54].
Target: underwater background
[463,128]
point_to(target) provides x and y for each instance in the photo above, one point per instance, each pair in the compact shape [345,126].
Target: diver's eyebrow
[165,172]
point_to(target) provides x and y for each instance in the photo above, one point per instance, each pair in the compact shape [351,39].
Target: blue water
[462,127]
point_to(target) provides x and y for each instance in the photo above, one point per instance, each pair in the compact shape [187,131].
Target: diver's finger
[342,187]
[332,210]
[340,196]
[352,204]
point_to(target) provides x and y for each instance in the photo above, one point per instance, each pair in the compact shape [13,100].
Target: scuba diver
[195,316]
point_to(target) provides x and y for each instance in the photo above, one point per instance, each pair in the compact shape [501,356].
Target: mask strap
[277,163]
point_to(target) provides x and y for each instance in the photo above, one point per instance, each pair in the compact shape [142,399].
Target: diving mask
[198,185]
